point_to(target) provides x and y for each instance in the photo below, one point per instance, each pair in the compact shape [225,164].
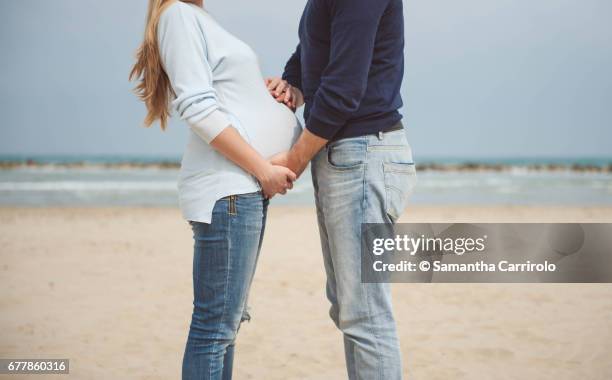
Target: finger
[282,86]
[273,83]
[289,185]
[290,175]
[274,159]
[283,192]
[290,103]
[288,94]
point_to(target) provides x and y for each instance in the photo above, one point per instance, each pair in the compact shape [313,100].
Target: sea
[151,181]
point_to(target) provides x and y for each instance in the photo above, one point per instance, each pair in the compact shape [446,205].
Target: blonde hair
[154,88]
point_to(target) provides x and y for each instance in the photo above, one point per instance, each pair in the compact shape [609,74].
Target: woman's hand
[275,179]
[285,93]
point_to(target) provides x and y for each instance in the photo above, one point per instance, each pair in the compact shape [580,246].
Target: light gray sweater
[218,83]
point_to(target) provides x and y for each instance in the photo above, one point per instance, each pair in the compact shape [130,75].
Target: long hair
[154,87]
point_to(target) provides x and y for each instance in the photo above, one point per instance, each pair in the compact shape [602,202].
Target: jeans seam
[371,323]
[385,148]
[227,281]
[376,337]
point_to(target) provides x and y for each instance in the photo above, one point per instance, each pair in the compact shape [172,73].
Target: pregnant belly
[273,128]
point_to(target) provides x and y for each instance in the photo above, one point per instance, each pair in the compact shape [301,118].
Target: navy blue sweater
[349,65]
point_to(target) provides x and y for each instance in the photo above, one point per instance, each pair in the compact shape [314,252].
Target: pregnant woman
[189,63]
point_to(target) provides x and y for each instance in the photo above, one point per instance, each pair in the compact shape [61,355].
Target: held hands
[278,175]
[284,168]
[285,93]
[275,179]
[288,160]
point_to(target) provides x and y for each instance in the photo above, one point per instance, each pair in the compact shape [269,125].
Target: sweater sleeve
[354,24]
[293,69]
[185,59]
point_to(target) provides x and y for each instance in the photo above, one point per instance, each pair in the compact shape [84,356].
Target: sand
[110,288]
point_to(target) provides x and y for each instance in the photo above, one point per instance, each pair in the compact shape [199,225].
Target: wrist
[296,162]
[261,170]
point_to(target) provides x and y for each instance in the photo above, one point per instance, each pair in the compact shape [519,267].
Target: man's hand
[301,153]
[281,159]
[275,179]
[288,160]
[285,93]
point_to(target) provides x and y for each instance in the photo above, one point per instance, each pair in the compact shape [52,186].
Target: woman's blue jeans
[225,257]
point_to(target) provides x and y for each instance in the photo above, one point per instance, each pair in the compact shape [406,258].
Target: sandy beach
[110,289]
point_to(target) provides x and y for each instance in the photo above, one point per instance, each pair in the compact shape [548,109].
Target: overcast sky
[483,78]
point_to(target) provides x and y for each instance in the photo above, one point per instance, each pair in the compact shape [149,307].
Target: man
[348,69]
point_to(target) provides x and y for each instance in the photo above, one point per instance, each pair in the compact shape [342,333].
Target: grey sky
[483,78]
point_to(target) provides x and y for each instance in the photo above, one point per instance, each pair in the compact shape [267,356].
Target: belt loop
[232,205]
[380,135]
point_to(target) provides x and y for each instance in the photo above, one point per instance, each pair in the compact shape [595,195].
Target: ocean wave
[150,186]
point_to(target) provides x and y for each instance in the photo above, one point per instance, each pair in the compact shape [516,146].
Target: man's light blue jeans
[359,180]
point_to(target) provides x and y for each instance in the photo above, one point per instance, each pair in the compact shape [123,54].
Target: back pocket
[400,180]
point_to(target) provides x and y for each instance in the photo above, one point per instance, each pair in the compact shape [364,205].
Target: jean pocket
[347,154]
[400,180]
